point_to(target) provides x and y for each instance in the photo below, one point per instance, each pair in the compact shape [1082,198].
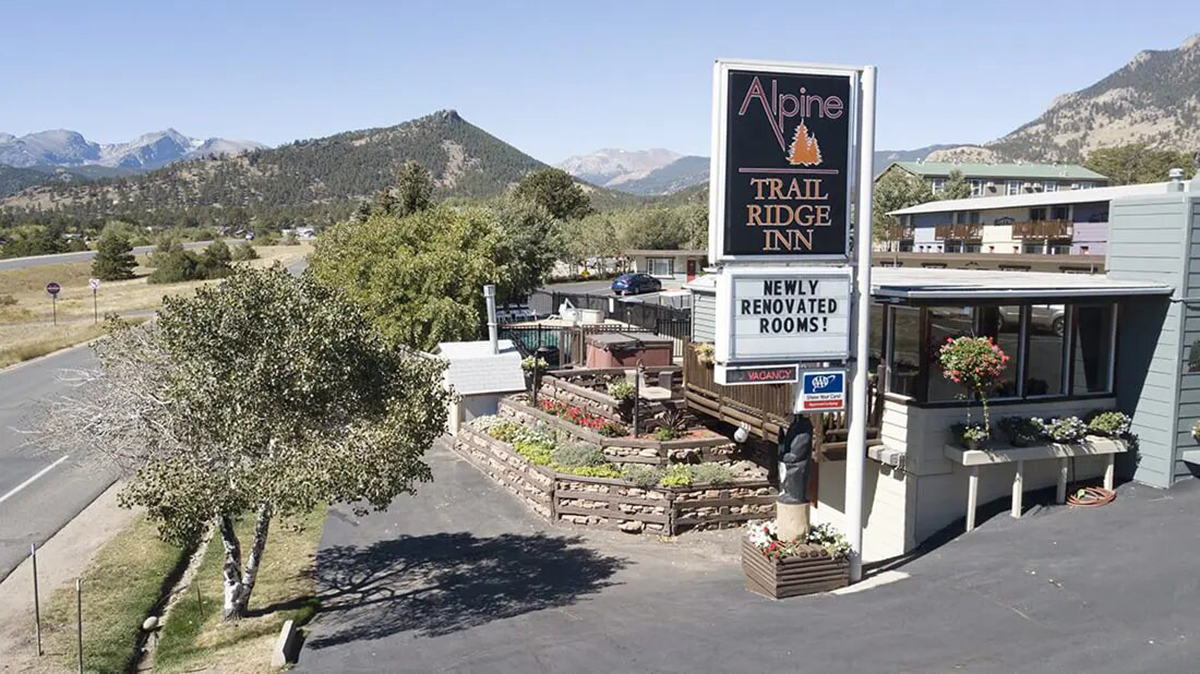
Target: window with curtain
[904,346]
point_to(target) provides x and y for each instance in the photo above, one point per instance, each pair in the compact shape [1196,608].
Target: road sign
[821,391]
[94,283]
[782,162]
[755,374]
[782,315]
[53,288]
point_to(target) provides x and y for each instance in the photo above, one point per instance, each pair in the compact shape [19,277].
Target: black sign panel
[787,165]
[761,374]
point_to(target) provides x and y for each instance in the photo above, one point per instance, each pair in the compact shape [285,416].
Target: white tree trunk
[239,582]
[232,568]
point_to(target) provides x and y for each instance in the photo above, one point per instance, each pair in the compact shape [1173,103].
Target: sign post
[95,285]
[791,143]
[856,441]
[53,289]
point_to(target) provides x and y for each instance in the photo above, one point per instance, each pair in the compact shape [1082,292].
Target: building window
[1093,335]
[952,247]
[937,185]
[976,188]
[1054,349]
[904,350]
[1033,247]
[1012,187]
[1044,371]
[1059,249]
[660,266]
[1037,214]
[971,248]
[1050,187]
[1082,186]
[906,246]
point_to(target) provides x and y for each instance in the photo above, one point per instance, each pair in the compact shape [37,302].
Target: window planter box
[793,576]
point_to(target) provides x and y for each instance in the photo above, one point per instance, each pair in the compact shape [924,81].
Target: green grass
[285,590]
[120,588]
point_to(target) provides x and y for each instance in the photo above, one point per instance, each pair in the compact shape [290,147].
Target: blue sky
[553,78]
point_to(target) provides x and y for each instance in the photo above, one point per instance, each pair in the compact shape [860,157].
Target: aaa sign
[783,315]
[781,169]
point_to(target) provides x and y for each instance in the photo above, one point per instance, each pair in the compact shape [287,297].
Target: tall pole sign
[782,162]
[792,146]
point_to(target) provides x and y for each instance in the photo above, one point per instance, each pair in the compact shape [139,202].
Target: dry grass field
[27,329]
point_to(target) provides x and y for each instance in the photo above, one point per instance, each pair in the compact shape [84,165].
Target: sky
[554,79]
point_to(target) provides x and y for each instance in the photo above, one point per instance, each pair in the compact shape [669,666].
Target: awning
[923,283]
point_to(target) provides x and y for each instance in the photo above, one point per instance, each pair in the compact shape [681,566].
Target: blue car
[634,284]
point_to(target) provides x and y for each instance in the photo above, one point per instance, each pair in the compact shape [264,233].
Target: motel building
[1063,223]
[1126,339]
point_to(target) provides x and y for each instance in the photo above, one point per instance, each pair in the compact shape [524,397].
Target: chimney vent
[489,294]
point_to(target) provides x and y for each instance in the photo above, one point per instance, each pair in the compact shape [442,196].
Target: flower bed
[779,569]
[704,447]
[613,503]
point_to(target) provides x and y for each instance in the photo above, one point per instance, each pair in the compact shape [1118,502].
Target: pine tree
[114,259]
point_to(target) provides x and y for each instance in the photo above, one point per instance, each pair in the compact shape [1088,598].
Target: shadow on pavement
[442,583]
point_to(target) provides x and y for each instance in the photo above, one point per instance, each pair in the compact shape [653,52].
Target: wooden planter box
[793,576]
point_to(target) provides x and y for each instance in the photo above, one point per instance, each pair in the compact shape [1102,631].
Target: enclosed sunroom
[1063,337]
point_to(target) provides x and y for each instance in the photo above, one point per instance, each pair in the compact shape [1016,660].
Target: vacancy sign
[821,391]
[786,314]
[782,162]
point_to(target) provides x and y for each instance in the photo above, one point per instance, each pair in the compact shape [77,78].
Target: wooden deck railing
[964,231]
[764,408]
[1043,229]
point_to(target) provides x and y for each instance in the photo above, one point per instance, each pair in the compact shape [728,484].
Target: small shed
[479,377]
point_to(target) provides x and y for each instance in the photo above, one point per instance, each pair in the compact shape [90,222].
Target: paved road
[36,261]
[463,578]
[31,512]
[38,493]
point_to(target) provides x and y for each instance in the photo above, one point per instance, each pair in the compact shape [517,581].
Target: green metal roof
[1016,171]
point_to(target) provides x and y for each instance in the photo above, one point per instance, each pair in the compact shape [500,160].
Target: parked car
[1049,318]
[634,284]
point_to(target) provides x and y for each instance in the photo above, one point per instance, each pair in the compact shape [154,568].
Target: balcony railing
[1043,229]
[897,233]
[971,231]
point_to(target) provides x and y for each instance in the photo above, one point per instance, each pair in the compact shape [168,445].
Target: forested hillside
[321,179]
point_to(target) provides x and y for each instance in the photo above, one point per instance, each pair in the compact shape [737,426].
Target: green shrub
[665,433]
[606,470]
[579,456]
[7,300]
[678,475]
[176,267]
[643,476]
[712,473]
[537,453]
[1111,423]
[243,252]
[621,389]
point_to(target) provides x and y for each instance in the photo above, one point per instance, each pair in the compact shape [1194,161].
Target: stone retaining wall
[615,504]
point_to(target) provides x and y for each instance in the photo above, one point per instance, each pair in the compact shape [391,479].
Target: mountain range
[67,149]
[323,175]
[1154,99]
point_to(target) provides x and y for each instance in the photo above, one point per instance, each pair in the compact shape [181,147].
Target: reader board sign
[821,391]
[755,374]
[782,315]
[782,161]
